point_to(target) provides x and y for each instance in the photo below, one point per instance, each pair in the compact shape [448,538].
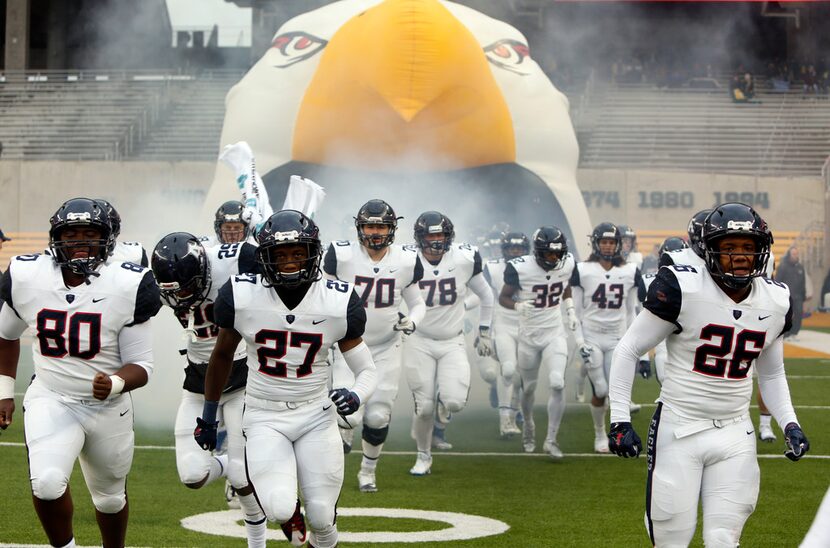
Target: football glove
[405,325]
[205,434]
[585,351]
[797,444]
[345,400]
[644,368]
[524,308]
[623,441]
[484,346]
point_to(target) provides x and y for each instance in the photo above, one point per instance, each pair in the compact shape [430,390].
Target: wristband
[209,411]
[6,387]
[117,385]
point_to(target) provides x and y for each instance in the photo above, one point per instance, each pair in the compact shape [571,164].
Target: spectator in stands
[791,272]
[735,90]
[748,85]
[810,79]
[824,304]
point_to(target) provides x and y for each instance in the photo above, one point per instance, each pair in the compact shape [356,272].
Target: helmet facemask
[273,266]
[714,261]
[375,241]
[64,250]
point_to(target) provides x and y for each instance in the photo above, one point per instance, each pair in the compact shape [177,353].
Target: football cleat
[366,481]
[529,435]
[508,427]
[601,443]
[423,464]
[552,448]
[766,434]
[439,440]
[294,529]
[230,496]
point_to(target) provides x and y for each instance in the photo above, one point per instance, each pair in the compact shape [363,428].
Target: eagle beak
[404,86]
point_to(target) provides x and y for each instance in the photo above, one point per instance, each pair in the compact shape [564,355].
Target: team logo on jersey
[737,314]
[376,269]
[290,318]
[70,297]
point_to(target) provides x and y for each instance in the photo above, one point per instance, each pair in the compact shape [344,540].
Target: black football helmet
[604,231]
[181,268]
[672,244]
[288,227]
[115,223]
[376,212]
[230,212]
[433,222]
[491,244]
[627,233]
[545,240]
[695,231]
[735,219]
[75,213]
[514,244]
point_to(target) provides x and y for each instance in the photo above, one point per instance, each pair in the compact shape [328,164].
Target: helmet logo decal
[435,229]
[286,236]
[739,225]
[82,216]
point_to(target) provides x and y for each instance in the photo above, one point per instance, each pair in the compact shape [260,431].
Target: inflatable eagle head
[427,104]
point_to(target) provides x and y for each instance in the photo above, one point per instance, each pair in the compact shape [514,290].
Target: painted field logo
[461,526]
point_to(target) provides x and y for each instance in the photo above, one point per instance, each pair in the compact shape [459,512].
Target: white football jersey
[444,288]
[494,274]
[635,258]
[681,256]
[604,293]
[224,261]
[288,349]
[710,356]
[543,287]
[128,252]
[76,329]
[378,284]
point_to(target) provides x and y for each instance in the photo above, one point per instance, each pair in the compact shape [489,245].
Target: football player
[435,359]
[629,246]
[535,286]
[128,252]
[606,291]
[92,346]
[669,245]
[229,223]
[383,275]
[718,321]
[189,277]
[693,253]
[506,333]
[289,317]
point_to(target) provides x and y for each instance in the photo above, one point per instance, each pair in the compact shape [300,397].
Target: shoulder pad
[778,291]
[688,276]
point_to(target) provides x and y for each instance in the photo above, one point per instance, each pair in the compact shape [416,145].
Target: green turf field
[582,501]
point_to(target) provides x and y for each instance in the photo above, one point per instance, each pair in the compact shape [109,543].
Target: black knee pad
[375,436]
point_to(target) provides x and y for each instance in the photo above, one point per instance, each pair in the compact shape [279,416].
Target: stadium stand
[640,126]
[22,243]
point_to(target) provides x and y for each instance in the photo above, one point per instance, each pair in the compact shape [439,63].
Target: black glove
[797,444]
[644,368]
[623,441]
[205,434]
[346,401]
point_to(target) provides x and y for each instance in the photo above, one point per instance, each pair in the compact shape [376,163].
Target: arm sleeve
[147,299]
[664,297]
[414,302]
[477,266]
[418,272]
[511,277]
[643,335]
[359,359]
[223,307]
[11,326]
[485,294]
[330,261]
[355,318]
[772,382]
[574,281]
[247,259]
[788,319]
[641,287]
[136,346]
